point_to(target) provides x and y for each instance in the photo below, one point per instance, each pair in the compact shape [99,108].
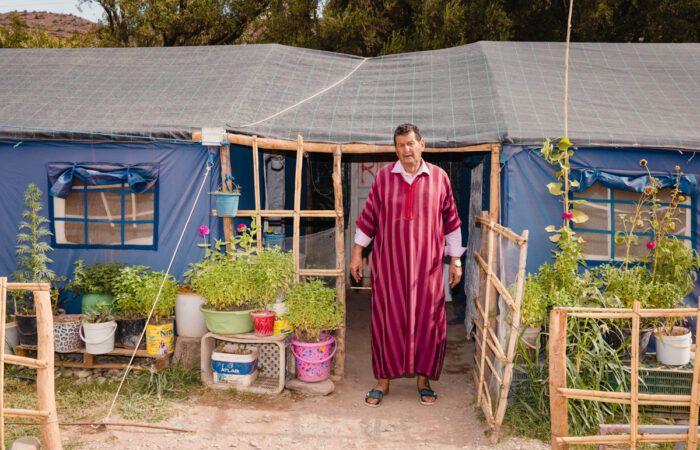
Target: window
[604,206]
[105,216]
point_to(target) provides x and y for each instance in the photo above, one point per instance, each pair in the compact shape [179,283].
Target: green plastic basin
[228,322]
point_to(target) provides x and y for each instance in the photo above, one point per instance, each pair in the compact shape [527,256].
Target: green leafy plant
[32,250]
[533,312]
[96,279]
[271,274]
[135,290]
[100,314]
[312,309]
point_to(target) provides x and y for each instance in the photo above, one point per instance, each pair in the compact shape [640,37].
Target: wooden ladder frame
[44,365]
[296,214]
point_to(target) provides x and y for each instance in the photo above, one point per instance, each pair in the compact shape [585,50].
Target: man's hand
[356,263]
[455,273]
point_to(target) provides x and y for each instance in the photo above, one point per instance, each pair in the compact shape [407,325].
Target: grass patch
[145,396]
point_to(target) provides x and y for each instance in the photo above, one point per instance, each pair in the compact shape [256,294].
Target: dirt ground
[340,420]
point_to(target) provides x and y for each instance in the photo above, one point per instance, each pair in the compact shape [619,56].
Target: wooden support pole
[558,403]
[256,187]
[339,257]
[226,186]
[3,358]
[695,388]
[634,377]
[44,378]
[28,287]
[26,413]
[297,207]
[495,182]
[319,213]
[22,361]
[487,300]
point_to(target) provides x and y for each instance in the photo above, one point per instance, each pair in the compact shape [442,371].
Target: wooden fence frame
[559,393]
[44,365]
[486,338]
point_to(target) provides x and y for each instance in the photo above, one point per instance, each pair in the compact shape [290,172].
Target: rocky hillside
[55,24]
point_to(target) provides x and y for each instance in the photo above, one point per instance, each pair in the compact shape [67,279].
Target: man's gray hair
[406,128]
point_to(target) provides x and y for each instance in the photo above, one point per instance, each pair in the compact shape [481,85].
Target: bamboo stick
[622,313]
[505,232]
[28,287]
[45,376]
[339,256]
[28,413]
[320,272]
[634,377]
[226,187]
[495,182]
[695,389]
[601,315]
[513,338]
[487,300]
[348,148]
[330,214]
[256,187]
[22,361]
[503,291]
[297,207]
[495,345]
[3,358]
[621,439]
[557,378]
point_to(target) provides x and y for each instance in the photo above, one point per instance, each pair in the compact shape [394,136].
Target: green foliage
[533,312]
[271,273]
[312,309]
[18,35]
[99,314]
[96,279]
[135,290]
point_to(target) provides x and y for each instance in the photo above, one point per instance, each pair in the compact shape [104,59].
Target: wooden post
[226,186]
[558,403]
[256,186]
[44,378]
[339,257]
[634,378]
[487,301]
[297,207]
[3,307]
[695,388]
[513,339]
[495,182]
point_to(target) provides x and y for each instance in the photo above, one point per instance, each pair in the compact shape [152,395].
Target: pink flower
[651,245]
[241,227]
[567,215]
[204,230]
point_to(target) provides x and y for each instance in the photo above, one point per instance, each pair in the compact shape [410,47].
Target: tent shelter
[139,108]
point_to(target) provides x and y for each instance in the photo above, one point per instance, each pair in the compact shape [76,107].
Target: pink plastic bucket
[313,359]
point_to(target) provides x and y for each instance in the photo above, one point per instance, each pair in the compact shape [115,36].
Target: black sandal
[374,393]
[427,392]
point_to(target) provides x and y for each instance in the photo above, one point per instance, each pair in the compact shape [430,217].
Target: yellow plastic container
[160,339]
[281,324]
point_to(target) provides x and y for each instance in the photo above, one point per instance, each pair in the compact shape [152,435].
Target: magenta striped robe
[408,224]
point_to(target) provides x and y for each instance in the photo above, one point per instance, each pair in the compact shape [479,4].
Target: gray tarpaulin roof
[510,92]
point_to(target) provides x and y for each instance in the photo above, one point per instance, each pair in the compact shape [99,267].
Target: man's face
[408,148]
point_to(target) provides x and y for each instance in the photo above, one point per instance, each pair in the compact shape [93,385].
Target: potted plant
[98,330]
[32,266]
[312,311]
[189,319]
[66,327]
[135,290]
[226,202]
[94,283]
[271,272]
[533,312]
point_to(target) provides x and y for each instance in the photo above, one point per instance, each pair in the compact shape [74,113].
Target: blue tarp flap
[139,177]
[688,184]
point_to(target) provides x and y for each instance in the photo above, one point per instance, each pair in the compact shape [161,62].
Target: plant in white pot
[533,312]
[313,311]
[98,330]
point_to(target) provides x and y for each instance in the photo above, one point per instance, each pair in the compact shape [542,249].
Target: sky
[89,11]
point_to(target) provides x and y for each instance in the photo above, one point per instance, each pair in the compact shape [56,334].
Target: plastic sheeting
[687,184]
[138,177]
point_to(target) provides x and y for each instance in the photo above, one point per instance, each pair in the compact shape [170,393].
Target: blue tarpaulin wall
[526,203]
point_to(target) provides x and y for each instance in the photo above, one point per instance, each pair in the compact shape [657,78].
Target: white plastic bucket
[98,337]
[673,350]
[11,337]
[188,318]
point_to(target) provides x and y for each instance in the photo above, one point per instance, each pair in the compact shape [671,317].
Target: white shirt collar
[398,168]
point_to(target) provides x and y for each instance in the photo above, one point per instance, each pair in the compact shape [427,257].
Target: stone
[83,373]
[26,443]
[319,388]
[101,380]
[188,351]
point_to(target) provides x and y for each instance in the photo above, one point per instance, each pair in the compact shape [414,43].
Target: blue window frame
[604,206]
[106,216]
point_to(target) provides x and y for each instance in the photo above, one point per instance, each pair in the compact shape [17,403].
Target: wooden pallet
[92,361]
